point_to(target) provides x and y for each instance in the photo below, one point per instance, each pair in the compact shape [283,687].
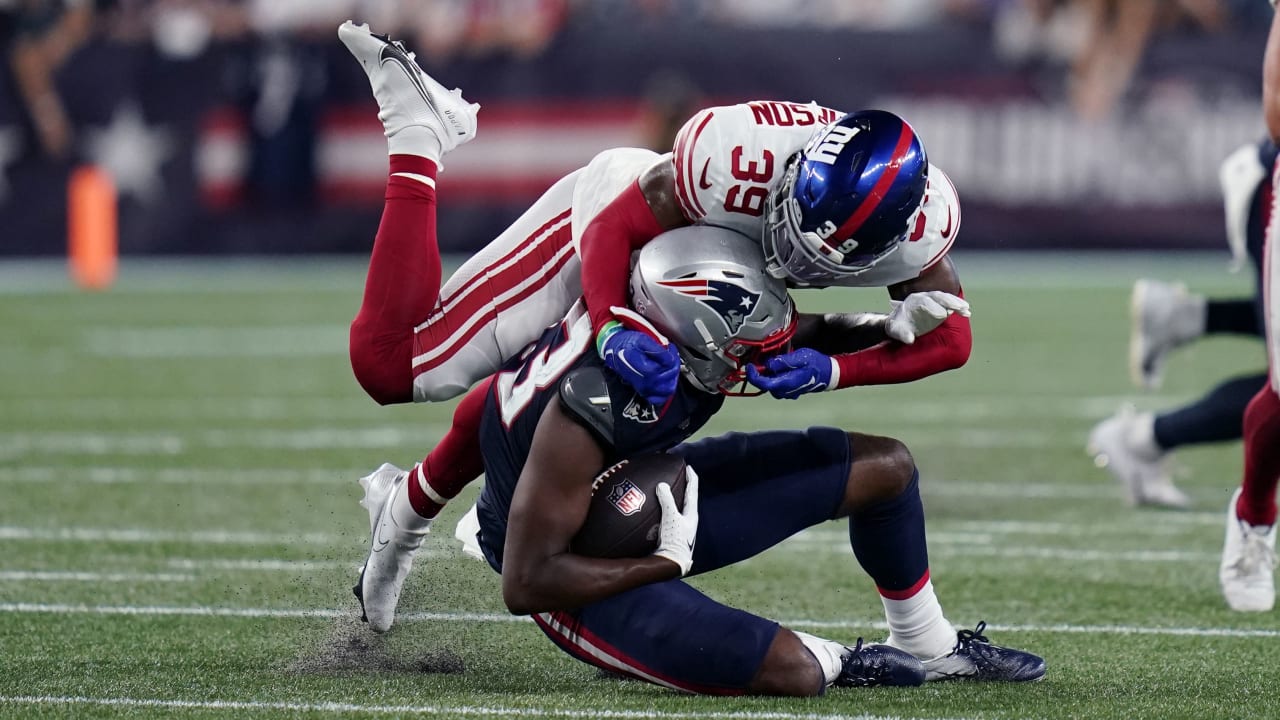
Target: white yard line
[272,565]
[244,341]
[959,538]
[19,444]
[94,474]
[446,710]
[939,548]
[107,475]
[344,274]
[192,566]
[139,535]
[78,576]
[954,409]
[166,611]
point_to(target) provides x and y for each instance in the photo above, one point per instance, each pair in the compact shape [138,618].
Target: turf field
[179,528]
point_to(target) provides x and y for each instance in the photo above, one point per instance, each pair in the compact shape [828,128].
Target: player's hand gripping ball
[624,517]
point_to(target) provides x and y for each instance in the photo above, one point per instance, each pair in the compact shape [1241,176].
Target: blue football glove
[789,376]
[644,363]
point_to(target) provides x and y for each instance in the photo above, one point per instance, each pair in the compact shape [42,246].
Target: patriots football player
[557,414]
[834,199]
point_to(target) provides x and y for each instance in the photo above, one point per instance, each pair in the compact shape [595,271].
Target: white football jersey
[727,159]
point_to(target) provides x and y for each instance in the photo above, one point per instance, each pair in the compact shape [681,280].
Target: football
[625,514]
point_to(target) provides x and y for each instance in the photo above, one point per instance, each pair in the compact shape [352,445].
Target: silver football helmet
[705,288]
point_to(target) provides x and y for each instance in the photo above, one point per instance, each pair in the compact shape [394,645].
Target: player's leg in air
[1134,446]
[416,340]
[756,490]
[1247,570]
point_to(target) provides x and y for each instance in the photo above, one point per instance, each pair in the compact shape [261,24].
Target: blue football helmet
[847,199]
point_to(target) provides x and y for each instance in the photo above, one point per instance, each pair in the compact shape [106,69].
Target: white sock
[828,653]
[1141,437]
[917,625]
[416,140]
[1194,322]
[402,513]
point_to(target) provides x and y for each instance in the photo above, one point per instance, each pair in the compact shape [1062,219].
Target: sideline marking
[454,710]
[160,611]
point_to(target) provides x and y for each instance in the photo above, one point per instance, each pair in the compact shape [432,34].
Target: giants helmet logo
[732,302]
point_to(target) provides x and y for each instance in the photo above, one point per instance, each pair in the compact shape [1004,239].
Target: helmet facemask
[723,369]
[847,201]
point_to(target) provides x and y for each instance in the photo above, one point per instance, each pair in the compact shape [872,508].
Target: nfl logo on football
[627,498]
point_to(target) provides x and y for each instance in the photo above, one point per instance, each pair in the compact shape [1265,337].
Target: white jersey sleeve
[934,231]
[728,158]
[603,180]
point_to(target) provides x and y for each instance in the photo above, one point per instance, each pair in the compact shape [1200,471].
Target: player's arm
[539,573]
[640,213]
[837,333]
[944,347]
[927,333]
[1271,80]
[646,209]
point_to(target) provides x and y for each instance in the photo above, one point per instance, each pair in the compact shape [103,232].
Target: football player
[1247,570]
[1135,446]
[835,199]
[556,415]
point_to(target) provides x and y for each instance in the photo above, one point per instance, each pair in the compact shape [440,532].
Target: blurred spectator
[670,99]
[864,14]
[445,29]
[38,37]
[1102,42]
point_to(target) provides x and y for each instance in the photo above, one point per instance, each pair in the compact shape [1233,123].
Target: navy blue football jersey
[562,366]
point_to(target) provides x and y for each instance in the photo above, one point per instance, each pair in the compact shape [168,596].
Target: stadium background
[242,127]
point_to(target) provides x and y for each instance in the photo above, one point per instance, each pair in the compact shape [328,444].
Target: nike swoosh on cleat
[378,542]
[391,53]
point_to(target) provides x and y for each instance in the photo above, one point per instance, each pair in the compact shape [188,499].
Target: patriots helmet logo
[732,302]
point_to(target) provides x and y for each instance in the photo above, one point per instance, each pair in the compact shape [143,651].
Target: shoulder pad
[584,393]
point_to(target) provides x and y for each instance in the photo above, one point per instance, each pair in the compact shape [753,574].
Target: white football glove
[678,529]
[920,313]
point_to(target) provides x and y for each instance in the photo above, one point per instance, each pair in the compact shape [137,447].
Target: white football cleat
[392,546]
[1123,445]
[1163,317]
[1247,572]
[407,96]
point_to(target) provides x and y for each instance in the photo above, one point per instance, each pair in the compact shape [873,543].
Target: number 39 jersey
[727,160]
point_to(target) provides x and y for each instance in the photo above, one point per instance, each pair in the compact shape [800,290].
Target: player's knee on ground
[881,470]
[788,669]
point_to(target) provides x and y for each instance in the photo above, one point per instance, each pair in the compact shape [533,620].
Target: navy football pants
[755,490]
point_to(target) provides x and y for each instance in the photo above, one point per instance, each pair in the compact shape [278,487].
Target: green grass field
[179,526]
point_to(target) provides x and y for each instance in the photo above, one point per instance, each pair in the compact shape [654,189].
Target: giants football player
[834,199]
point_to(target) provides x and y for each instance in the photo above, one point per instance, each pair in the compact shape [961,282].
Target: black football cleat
[975,658]
[873,665]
